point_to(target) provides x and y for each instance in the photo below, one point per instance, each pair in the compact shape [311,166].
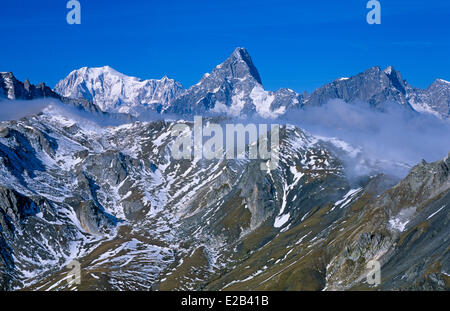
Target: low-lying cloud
[391,140]
[395,137]
[17,109]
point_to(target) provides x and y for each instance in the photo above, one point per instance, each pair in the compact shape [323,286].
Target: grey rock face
[436,98]
[373,86]
[406,229]
[14,89]
[14,209]
[381,88]
[93,219]
[28,232]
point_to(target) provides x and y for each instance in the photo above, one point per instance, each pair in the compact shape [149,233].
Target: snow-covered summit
[113,91]
[442,81]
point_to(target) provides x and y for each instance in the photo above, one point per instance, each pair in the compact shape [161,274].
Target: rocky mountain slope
[112,197]
[434,99]
[115,200]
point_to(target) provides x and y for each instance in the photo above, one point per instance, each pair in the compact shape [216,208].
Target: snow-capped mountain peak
[389,70]
[113,91]
[442,81]
[236,68]
[234,87]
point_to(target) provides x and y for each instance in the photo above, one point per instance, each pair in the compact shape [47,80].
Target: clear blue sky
[295,44]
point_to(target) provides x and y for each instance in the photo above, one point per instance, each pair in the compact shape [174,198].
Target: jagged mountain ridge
[435,99]
[235,88]
[379,87]
[12,89]
[374,86]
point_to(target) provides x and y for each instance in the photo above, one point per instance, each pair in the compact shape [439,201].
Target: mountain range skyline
[296,44]
[174,78]
[234,87]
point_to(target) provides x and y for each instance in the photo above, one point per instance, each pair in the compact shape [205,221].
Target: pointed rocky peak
[8,78]
[14,89]
[441,83]
[165,80]
[9,85]
[376,72]
[439,87]
[243,55]
[389,70]
[374,69]
[27,85]
[374,86]
[392,73]
[6,74]
[434,99]
[238,66]
[396,79]
[369,74]
[234,87]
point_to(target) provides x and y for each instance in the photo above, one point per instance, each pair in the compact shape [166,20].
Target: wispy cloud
[13,110]
[392,137]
